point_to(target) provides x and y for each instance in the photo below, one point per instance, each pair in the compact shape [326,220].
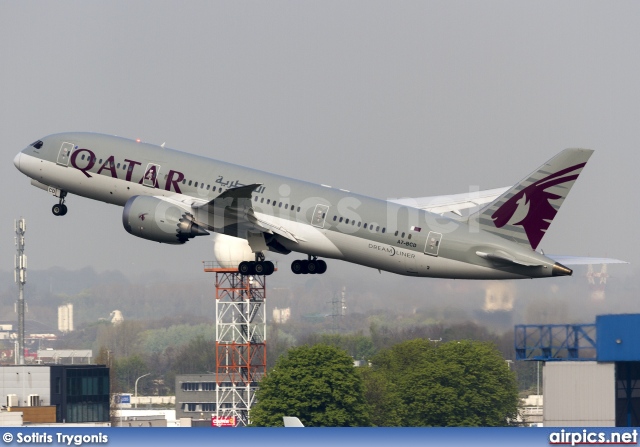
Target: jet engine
[159,220]
[230,251]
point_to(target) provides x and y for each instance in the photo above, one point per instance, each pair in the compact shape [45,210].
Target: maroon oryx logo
[538,212]
[142,216]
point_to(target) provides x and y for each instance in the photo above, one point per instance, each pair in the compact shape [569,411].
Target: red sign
[223,421]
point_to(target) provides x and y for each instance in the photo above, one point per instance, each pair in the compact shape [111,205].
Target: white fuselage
[322,221]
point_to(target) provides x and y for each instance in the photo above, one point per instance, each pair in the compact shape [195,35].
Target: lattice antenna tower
[20,276]
[338,308]
[241,342]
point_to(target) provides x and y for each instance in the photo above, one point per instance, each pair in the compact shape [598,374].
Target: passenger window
[184,182]
[353,222]
[335,218]
[255,199]
[208,186]
[262,200]
[378,228]
[100,161]
[403,234]
[359,223]
[298,209]
[365,226]
[286,206]
[268,201]
[346,221]
[396,233]
[118,165]
[190,181]
[131,169]
[341,219]
[280,205]
[82,157]
[196,184]
[384,229]
[409,236]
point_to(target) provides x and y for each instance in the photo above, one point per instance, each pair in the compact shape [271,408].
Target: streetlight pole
[136,387]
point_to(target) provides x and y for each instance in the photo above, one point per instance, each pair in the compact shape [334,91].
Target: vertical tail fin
[525,211]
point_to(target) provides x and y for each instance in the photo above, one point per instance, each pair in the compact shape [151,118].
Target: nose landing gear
[60,209]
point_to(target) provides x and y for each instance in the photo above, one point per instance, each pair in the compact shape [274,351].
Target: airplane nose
[16,160]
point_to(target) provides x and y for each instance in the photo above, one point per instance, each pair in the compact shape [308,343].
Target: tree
[385,404]
[318,384]
[465,383]
[128,369]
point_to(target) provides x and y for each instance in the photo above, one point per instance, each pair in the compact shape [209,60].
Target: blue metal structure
[550,342]
[618,338]
[617,341]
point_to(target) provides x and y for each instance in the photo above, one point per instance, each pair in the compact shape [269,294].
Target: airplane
[171,197]
[292,422]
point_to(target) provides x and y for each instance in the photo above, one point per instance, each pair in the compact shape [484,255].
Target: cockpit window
[37,144]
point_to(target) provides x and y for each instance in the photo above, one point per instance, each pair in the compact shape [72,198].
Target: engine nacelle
[230,251]
[159,220]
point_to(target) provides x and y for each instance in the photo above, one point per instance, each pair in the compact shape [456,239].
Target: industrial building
[56,393]
[196,396]
[592,371]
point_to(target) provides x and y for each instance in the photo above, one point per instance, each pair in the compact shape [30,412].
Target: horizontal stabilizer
[582,260]
[452,203]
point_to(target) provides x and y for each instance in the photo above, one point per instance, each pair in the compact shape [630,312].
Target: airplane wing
[580,260]
[234,207]
[452,203]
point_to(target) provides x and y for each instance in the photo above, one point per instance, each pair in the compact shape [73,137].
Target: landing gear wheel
[296,267]
[269,268]
[245,268]
[312,267]
[259,268]
[305,267]
[59,209]
[322,267]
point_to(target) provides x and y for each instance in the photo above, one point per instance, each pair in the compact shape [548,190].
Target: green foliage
[127,370]
[278,343]
[196,357]
[357,345]
[464,383]
[382,396]
[318,384]
[157,340]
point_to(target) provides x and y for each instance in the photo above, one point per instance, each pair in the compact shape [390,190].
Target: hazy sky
[389,99]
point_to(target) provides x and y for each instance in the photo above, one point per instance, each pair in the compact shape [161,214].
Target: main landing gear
[60,209]
[310,266]
[257,267]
